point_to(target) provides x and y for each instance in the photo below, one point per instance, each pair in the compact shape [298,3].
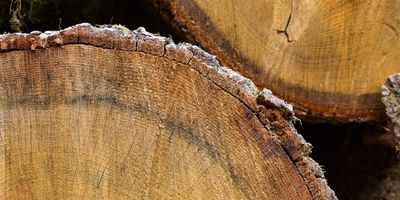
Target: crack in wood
[201,62]
[391,28]
[284,31]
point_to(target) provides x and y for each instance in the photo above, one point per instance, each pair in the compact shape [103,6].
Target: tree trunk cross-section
[328,58]
[108,113]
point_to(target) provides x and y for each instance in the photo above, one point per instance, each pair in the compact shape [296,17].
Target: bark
[328,58]
[390,97]
[109,113]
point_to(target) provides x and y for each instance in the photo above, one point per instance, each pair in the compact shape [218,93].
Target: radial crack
[392,28]
[284,31]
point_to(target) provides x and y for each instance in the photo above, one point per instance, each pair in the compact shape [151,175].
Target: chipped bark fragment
[125,41]
[70,35]
[92,35]
[55,40]
[268,100]
[200,61]
[16,42]
[391,99]
[150,43]
[315,179]
[210,98]
[179,52]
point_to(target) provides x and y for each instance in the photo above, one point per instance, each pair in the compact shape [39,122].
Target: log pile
[328,58]
[109,112]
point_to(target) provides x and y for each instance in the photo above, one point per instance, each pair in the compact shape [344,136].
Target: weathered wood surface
[328,58]
[108,113]
[391,99]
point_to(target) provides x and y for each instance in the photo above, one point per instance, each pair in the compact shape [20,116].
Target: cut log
[108,113]
[328,58]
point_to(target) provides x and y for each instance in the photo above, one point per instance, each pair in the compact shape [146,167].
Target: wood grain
[105,113]
[328,58]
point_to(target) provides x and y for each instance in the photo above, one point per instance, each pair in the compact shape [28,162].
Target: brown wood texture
[108,113]
[328,58]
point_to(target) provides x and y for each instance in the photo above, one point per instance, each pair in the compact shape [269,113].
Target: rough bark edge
[391,99]
[276,115]
[173,11]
